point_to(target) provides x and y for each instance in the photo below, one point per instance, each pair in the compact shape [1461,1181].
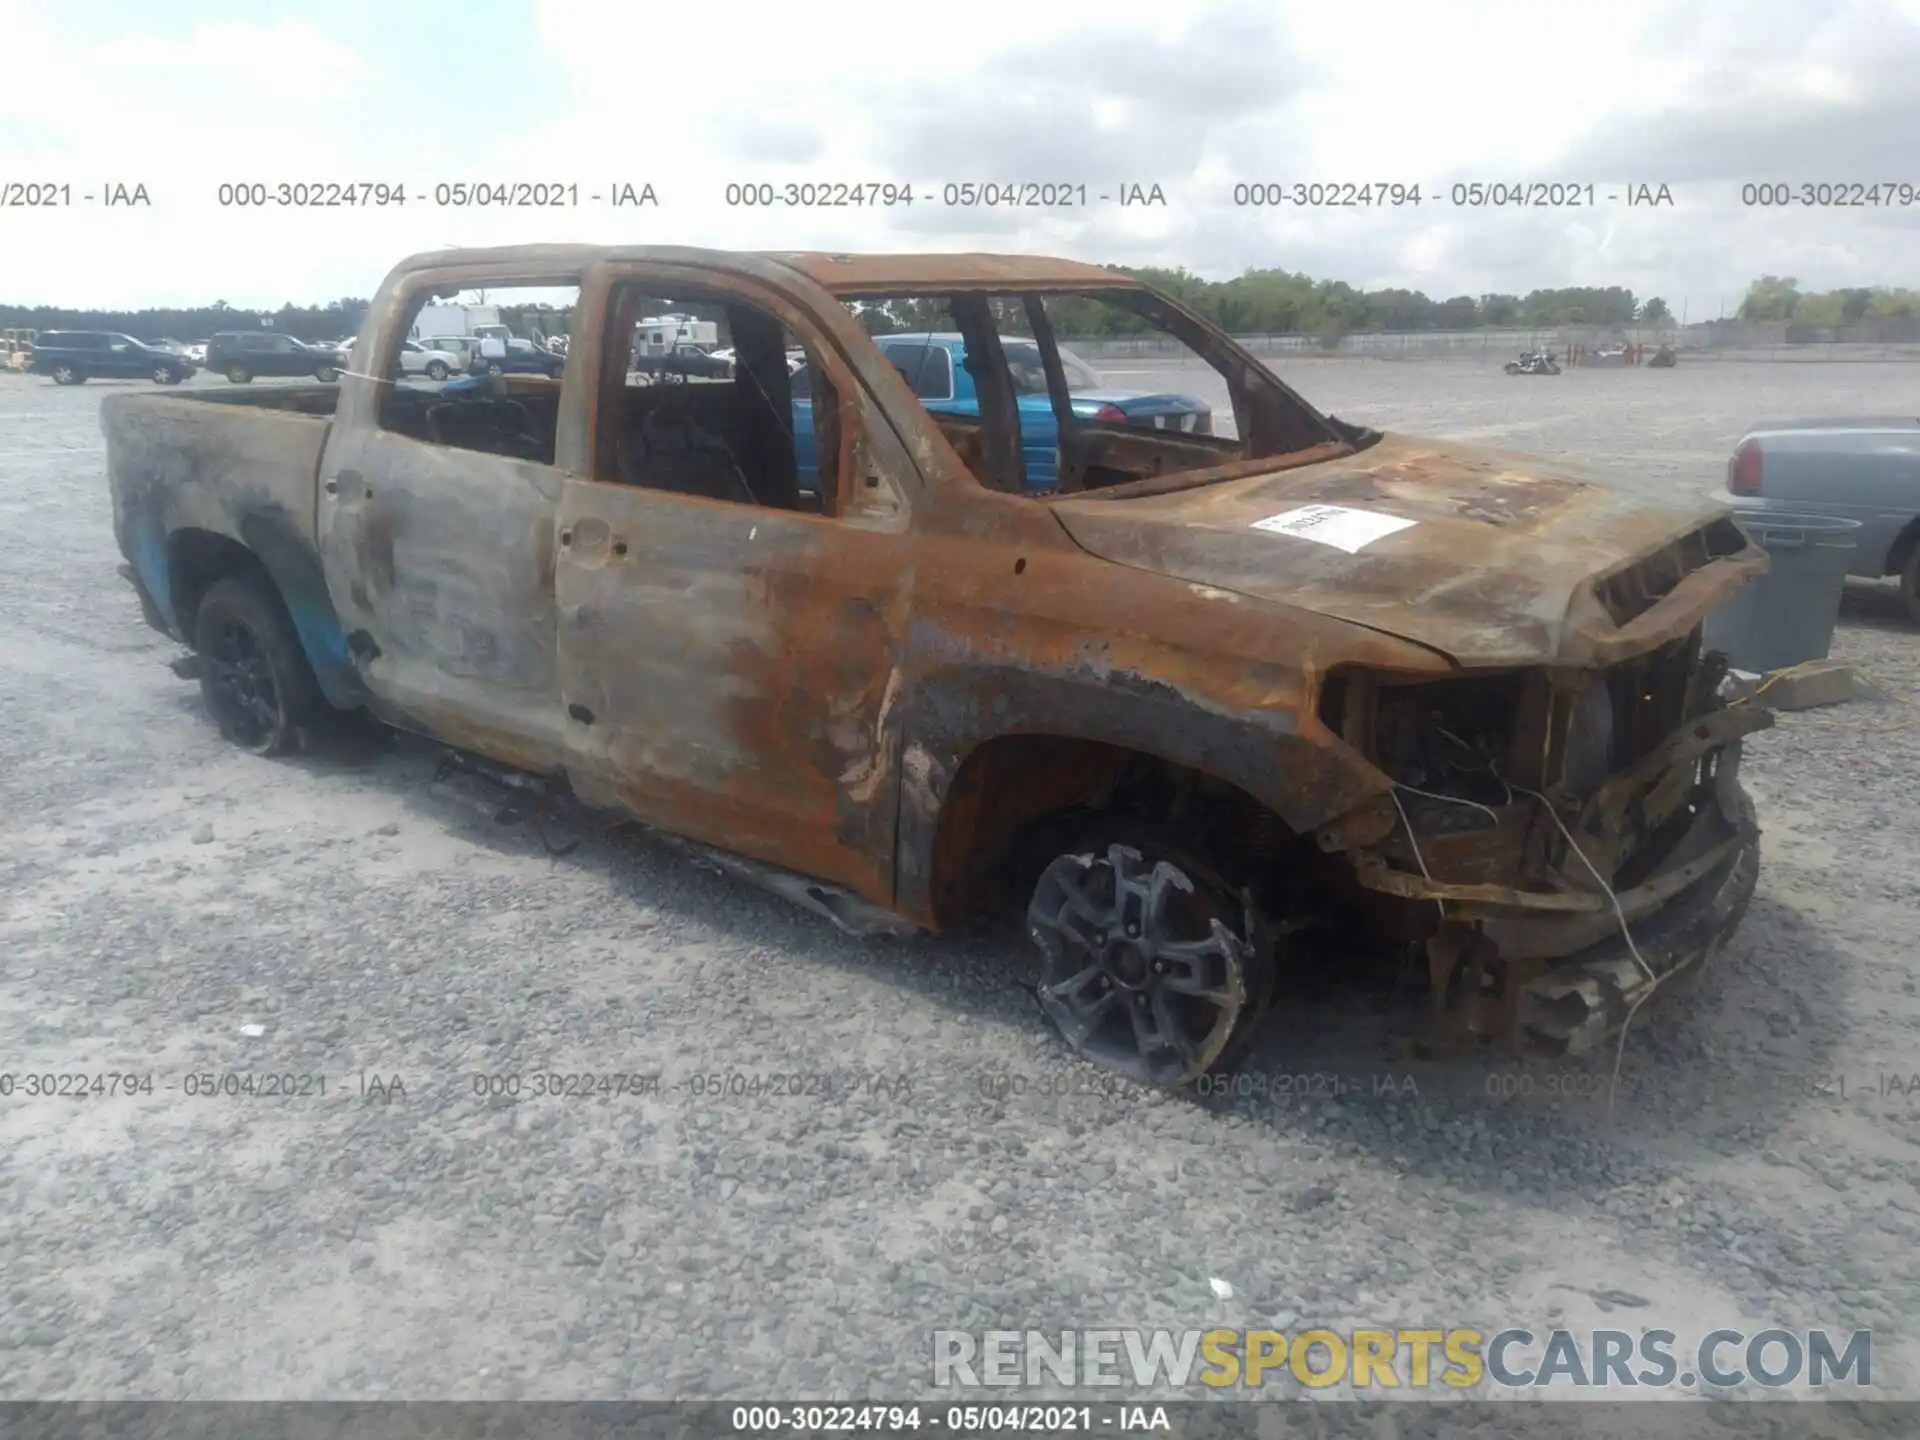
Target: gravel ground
[174,908]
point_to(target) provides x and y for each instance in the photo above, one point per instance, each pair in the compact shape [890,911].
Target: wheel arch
[970,791]
[1905,544]
[196,558]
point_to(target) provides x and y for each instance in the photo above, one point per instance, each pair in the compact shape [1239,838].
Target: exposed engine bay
[1536,816]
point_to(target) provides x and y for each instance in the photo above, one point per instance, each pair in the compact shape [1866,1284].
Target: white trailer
[660,334]
[437,320]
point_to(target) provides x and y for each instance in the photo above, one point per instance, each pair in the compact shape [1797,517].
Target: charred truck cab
[1216,697]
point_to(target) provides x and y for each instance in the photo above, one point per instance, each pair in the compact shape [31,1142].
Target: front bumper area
[1580,1003]
[1546,967]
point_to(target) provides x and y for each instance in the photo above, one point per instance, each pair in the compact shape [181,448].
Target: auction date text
[61,194]
[445,194]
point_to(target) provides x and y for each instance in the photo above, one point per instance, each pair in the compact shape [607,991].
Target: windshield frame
[1098,455]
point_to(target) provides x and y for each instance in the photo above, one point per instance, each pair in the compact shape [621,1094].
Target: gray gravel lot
[169,907]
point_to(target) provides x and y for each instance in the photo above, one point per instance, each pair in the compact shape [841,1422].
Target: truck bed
[240,464]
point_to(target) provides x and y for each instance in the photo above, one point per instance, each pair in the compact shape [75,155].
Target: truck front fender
[1279,755]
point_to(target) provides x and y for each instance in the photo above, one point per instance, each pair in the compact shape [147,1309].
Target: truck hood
[1487,556]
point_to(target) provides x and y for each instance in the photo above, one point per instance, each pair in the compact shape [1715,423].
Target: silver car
[1866,470]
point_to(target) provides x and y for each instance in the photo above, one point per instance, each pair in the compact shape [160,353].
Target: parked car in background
[73,357]
[197,352]
[517,357]
[934,366]
[244,355]
[463,350]
[417,359]
[684,359]
[1852,469]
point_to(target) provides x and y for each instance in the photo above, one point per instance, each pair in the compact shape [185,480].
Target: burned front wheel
[1150,965]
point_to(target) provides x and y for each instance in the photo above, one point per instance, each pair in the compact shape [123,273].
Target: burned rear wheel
[1150,965]
[253,676]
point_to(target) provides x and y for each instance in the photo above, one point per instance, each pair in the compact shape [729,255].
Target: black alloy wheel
[1151,966]
[254,677]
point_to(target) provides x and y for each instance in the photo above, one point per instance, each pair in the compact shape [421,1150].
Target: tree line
[1778,297]
[1259,302]
[1278,302]
[333,321]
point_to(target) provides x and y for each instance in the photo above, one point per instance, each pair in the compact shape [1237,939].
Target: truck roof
[840,273]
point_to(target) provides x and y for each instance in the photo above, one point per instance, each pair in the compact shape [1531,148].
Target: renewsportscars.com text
[1457,1358]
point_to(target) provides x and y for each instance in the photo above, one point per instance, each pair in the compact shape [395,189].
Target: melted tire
[255,679]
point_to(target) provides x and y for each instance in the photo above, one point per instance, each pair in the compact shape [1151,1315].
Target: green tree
[1892,304]
[1655,312]
[1771,297]
[1501,311]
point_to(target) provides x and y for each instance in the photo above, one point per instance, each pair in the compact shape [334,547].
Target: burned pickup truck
[1282,694]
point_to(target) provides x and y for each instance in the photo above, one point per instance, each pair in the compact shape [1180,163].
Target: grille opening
[1450,737]
[1650,697]
[1333,702]
[1632,592]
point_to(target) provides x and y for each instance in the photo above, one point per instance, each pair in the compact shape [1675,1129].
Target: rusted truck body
[1220,704]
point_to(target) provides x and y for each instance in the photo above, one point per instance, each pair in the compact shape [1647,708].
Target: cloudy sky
[1703,96]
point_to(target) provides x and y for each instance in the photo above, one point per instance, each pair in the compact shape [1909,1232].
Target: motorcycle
[1533,363]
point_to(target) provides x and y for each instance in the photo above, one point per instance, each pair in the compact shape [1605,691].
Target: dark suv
[72,357]
[242,354]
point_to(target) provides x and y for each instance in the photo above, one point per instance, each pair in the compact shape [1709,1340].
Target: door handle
[333,487]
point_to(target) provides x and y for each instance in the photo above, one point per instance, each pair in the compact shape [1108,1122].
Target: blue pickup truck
[934,367]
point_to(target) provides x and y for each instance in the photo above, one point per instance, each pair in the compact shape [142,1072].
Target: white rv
[659,335]
[435,321]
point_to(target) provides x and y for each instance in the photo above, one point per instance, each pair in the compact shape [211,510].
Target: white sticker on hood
[1335,525]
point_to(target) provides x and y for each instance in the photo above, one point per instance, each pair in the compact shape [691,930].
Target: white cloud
[1700,94]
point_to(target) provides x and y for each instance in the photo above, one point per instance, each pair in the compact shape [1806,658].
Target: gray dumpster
[1787,616]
